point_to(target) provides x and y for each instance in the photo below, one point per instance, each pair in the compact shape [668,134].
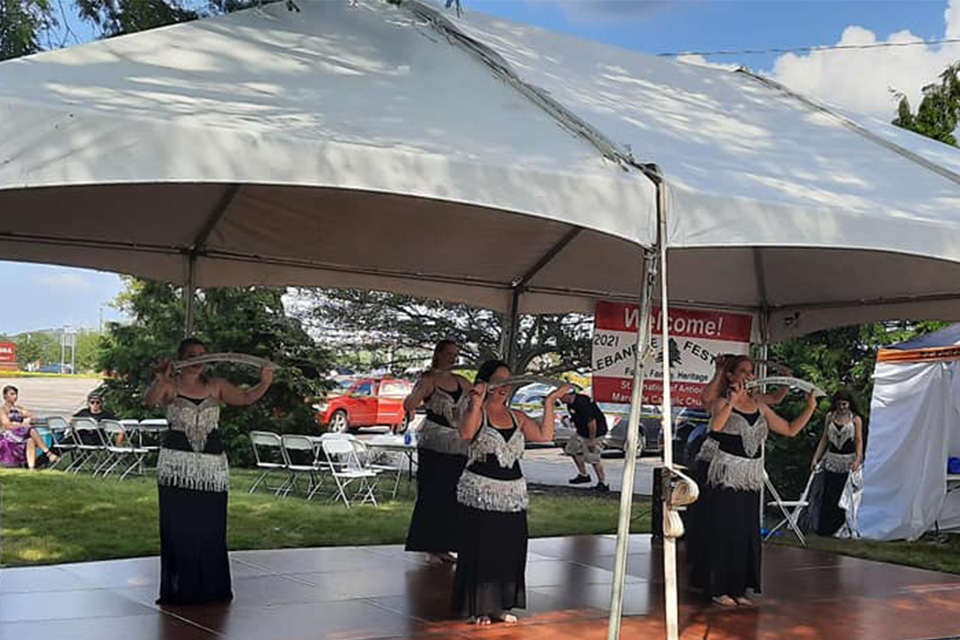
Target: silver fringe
[488,494]
[189,470]
[489,442]
[735,472]
[838,462]
[752,435]
[839,437]
[196,421]
[442,439]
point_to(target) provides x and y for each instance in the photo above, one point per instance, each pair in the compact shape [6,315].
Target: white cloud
[862,79]
[65,281]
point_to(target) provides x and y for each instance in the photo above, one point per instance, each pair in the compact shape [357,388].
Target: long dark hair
[844,394]
[488,368]
[438,349]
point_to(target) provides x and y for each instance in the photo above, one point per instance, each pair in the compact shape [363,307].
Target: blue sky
[39,296]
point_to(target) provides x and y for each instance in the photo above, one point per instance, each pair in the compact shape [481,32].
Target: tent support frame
[509,346]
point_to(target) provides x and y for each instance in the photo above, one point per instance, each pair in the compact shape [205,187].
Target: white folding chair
[384,461]
[791,509]
[89,444]
[268,454]
[62,441]
[346,468]
[122,446]
[302,457]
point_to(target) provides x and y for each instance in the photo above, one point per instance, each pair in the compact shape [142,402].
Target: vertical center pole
[764,355]
[189,296]
[671,605]
[511,328]
[633,434]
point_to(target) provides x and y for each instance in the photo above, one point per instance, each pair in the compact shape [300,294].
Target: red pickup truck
[367,402]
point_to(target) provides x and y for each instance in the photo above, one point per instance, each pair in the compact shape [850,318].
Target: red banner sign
[697,336]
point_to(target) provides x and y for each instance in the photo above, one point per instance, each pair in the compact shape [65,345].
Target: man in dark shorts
[584,447]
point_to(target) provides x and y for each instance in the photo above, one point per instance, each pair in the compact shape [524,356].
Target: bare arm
[421,390]
[238,397]
[775,397]
[542,430]
[5,420]
[472,419]
[780,426]
[160,390]
[822,445]
[711,392]
[858,438]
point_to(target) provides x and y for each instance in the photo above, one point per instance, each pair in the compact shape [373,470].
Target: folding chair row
[103,446]
[336,455]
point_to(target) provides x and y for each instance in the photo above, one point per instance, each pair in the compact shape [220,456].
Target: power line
[831,47]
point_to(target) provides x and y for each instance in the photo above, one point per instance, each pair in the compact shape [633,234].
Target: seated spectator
[18,440]
[94,410]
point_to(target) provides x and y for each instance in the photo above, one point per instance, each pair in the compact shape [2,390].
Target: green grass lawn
[50,516]
[927,553]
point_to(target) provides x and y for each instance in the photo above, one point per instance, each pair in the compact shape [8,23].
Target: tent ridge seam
[853,126]
[539,97]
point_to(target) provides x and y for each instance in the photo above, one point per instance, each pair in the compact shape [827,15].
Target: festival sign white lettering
[697,336]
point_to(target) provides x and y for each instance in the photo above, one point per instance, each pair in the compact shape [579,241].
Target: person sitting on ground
[18,440]
[583,447]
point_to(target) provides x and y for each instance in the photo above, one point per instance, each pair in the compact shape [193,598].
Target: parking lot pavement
[548,465]
[54,395]
[551,467]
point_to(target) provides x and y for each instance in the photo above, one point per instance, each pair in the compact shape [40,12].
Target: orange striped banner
[933,354]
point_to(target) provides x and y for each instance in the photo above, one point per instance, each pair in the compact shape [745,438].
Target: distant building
[8,356]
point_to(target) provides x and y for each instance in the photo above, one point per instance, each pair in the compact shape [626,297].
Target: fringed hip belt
[731,471]
[489,494]
[838,462]
[191,470]
[442,439]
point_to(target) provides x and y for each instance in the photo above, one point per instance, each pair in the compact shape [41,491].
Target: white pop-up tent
[361,144]
[914,429]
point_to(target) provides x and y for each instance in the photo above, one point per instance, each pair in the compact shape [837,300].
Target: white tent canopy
[914,428]
[773,202]
[341,146]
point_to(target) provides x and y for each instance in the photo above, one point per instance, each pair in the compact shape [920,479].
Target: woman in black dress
[441,455]
[729,522]
[492,493]
[840,451]
[192,478]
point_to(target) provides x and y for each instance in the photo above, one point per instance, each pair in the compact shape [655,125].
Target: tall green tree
[248,320]
[938,114]
[388,322]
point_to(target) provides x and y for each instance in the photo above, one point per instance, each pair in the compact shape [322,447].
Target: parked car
[529,399]
[685,419]
[367,402]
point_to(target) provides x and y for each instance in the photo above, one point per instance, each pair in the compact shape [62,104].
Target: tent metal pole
[671,606]
[764,353]
[510,330]
[189,296]
[633,434]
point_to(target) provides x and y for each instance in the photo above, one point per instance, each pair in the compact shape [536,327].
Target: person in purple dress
[18,440]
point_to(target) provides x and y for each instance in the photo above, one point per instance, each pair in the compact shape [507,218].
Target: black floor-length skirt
[832,516]
[731,552]
[697,529]
[491,563]
[433,527]
[194,567]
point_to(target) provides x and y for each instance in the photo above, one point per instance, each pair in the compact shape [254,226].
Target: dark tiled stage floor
[357,593]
